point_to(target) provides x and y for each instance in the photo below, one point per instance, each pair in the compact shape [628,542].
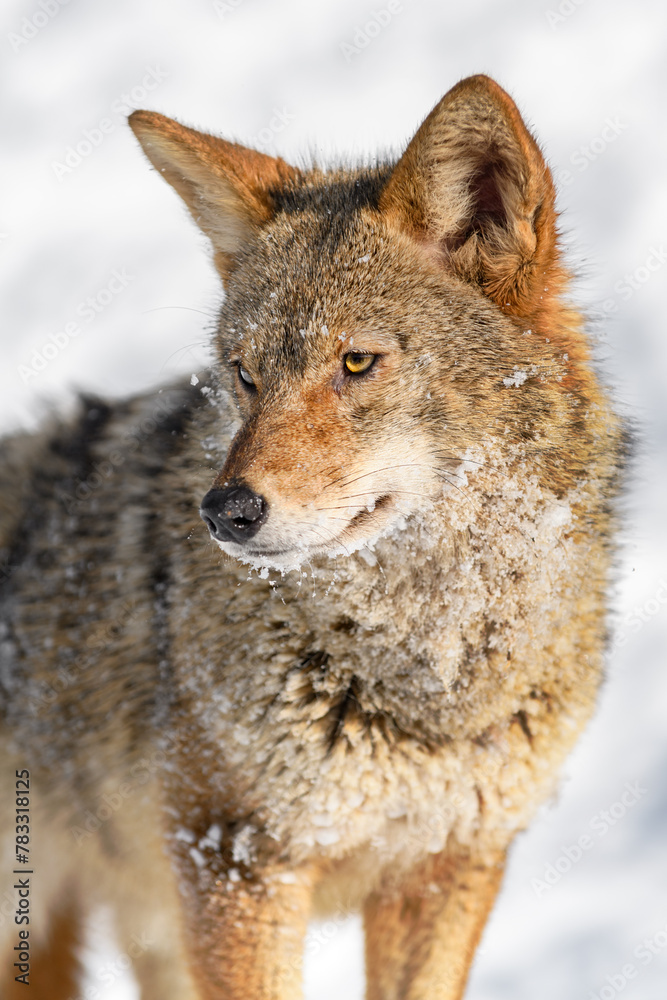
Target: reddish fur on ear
[227,187]
[474,183]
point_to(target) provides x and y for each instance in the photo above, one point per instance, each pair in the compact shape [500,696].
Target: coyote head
[378,323]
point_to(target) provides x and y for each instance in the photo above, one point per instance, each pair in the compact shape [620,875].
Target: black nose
[234,514]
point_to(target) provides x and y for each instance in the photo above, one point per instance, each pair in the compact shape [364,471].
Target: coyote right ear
[473,185]
[227,187]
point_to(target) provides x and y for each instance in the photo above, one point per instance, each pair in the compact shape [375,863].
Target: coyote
[315,633]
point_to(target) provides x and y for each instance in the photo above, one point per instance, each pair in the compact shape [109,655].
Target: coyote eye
[245,379]
[357,364]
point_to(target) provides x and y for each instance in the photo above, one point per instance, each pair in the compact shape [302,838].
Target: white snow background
[589,77]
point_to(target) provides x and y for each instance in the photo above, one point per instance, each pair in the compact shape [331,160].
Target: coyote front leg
[421,935]
[246,937]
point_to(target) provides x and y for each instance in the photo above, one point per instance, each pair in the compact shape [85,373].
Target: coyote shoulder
[316,634]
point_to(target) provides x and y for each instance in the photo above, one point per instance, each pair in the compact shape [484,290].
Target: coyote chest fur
[316,634]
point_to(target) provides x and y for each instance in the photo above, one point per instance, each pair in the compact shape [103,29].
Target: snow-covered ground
[293,76]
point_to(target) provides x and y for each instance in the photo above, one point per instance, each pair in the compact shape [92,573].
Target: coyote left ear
[473,184]
[228,188]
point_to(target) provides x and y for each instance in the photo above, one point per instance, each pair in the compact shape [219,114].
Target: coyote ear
[473,184]
[228,188]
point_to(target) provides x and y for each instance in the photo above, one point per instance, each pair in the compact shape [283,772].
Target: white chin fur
[291,558]
[295,556]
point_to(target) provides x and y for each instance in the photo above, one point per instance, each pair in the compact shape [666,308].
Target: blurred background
[106,285]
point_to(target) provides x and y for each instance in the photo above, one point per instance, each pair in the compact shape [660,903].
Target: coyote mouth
[365,515]
[256,552]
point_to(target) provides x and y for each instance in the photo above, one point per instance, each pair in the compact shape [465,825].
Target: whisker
[416,465]
[386,468]
[355,496]
[321,509]
[316,528]
[186,347]
[443,476]
[472,461]
[352,496]
[343,507]
[332,536]
[202,312]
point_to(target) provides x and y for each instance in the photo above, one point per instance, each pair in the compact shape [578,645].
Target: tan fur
[358,705]
[55,971]
[420,941]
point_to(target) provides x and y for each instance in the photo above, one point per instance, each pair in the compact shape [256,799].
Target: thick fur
[359,707]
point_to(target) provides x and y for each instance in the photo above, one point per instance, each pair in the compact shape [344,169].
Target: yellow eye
[358,363]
